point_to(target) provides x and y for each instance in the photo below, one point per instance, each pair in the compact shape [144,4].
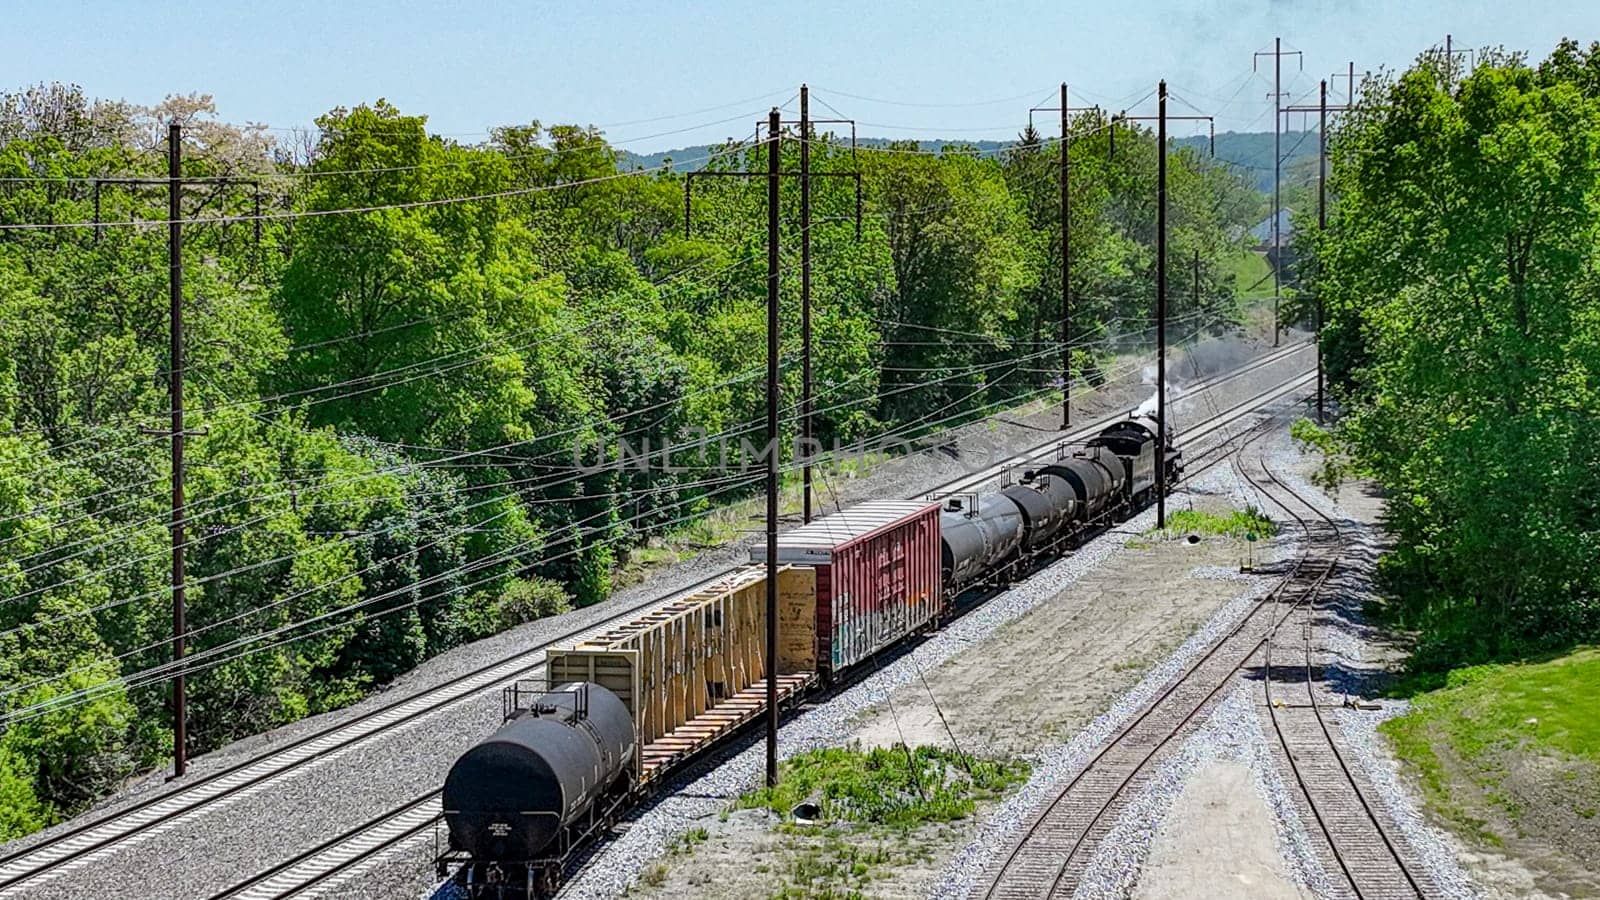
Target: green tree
[1459,272]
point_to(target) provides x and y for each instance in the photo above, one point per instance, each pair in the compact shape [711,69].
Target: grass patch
[1482,715]
[873,805]
[1252,274]
[686,842]
[884,787]
[1238,523]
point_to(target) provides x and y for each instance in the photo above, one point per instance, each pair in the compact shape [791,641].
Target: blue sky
[470,65]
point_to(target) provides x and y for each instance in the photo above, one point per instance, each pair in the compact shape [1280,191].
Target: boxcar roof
[815,543]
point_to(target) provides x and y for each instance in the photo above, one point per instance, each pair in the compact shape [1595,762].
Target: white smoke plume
[1148,407]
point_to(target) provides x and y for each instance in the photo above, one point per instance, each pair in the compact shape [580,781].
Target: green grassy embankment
[1251,274]
[1509,756]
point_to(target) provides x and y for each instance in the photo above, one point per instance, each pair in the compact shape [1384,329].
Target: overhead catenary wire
[79,461]
[478,525]
[408,466]
[314,589]
[371,208]
[1007,370]
[248,402]
[597,131]
[170,669]
[162,671]
[502,555]
[947,204]
[111,604]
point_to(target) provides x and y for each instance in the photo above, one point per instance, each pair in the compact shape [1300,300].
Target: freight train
[619,711]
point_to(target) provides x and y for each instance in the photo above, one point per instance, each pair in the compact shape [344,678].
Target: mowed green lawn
[1251,275]
[1512,752]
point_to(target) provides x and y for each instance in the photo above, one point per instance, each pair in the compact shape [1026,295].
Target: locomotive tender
[630,706]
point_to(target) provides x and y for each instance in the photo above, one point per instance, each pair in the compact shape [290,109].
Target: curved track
[1054,852]
[1349,828]
[1050,857]
[89,842]
[320,869]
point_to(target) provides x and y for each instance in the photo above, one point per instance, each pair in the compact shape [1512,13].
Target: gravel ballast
[695,799]
[232,840]
[1232,731]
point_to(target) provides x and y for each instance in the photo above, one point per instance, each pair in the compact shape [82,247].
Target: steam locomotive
[563,767]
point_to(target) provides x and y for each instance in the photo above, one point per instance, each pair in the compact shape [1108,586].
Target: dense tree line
[1459,274]
[388,381]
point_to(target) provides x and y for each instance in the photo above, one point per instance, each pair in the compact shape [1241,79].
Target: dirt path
[1219,841]
[1076,654]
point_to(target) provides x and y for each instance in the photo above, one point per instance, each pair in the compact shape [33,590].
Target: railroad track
[321,870]
[91,841]
[1351,830]
[1051,857]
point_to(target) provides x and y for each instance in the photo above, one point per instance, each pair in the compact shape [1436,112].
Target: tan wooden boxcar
[692,669]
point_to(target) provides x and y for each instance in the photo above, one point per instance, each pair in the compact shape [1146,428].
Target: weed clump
[897,788]
[873,805]
[1239,523]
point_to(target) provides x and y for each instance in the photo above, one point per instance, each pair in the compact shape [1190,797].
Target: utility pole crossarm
[1277,54]
[1124,117]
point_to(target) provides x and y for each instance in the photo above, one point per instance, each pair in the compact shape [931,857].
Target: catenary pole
[805,299]
[1277,187]
[1197,280]
[1321,109]
[1064,184]
[1276,253]
[1161,308]
[180,729]
[1322,224]
[1066,265]
[774,131]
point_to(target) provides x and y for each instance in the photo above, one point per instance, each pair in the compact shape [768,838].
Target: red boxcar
[877,575]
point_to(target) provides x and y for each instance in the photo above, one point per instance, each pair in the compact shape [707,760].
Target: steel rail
[351,848]
[81,844]
[294,876]
[1044,823]
[1302,778]
[1041,826]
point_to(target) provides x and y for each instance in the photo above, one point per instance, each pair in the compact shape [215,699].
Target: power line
[159,673]
[384,207]
[288,557]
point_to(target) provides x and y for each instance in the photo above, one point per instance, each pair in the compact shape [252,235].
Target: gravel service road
[218,846]
[1042,631]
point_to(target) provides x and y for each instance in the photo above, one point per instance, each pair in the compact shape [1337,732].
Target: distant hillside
[1250,152]
[689,159]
